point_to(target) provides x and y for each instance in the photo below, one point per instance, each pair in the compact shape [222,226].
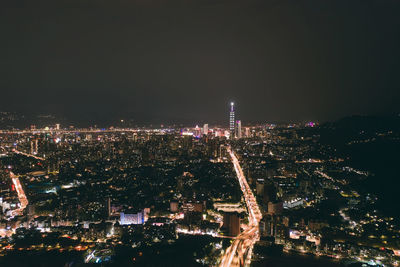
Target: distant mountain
[356,128]
[371,144]
[10,120]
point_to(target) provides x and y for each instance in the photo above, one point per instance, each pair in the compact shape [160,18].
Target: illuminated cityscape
[223,133]
[120,195]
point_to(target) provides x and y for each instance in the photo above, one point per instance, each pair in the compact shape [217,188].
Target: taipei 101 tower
[232,120]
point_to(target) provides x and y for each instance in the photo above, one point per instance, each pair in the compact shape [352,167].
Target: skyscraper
[108,207]
[205,129]
[34,146]
[232,120]
[231,223]
[239,129]
[197,131]
[247,132]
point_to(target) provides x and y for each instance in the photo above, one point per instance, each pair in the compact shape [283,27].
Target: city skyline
[196,195]
[41,120]
[221,133]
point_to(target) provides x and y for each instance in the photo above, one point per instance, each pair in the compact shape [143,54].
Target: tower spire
[232,120]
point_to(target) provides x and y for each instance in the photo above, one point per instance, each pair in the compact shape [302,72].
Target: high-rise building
[192,207]
[139,217]
[231,223]
[197,131]
[34,146]
[260,187]
[275,207]
[247,132]
[205,129]
[108,207]
[57,126]
[238,129]
[173,206]
[232,120]
[31,211]
[269,193]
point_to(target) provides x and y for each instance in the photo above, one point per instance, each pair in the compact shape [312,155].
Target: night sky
[184,61]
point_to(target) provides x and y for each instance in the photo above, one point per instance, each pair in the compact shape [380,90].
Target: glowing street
[239,253]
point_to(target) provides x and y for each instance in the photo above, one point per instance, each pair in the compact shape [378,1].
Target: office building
[131,218]
[238,129]
[173,206]
[247,132]
[205,129]
[231,223]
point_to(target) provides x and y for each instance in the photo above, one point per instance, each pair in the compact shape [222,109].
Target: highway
[21,195]
[240,252]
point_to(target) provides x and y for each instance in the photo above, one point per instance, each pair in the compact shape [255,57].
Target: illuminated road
[239,253]
[28,155]
[21,195]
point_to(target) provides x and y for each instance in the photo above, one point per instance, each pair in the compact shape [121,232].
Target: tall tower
[232,120]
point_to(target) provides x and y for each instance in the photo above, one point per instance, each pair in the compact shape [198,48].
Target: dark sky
[183,61]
